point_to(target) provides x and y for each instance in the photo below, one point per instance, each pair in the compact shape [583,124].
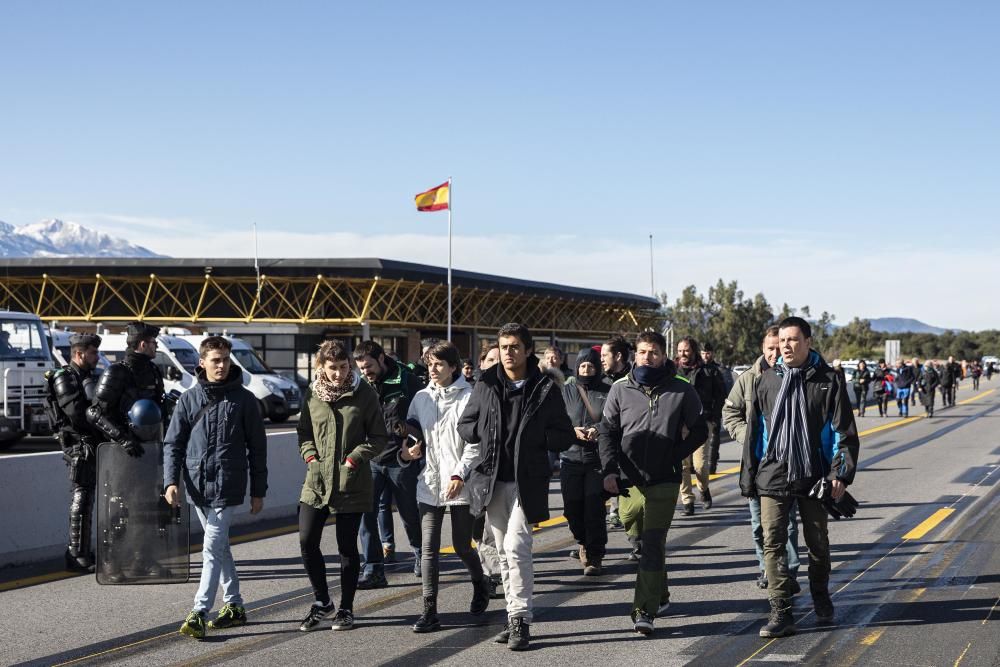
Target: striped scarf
[789,440]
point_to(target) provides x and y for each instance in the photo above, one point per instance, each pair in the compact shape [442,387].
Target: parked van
[24,359]
[279,397]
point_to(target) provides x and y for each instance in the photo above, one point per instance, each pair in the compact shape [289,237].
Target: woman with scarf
[580,477]
[433,423]
[340,429]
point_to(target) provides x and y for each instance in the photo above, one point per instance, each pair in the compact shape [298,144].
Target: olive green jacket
[352,426]
[737,406]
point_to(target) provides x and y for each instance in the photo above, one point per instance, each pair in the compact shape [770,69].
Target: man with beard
[615,364]
[72,390]
[707,381]
[652,421]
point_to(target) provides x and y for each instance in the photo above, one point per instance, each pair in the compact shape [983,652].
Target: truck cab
[24,360]
[279,397]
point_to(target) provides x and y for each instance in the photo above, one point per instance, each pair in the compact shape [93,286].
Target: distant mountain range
[56,238]
[905,325]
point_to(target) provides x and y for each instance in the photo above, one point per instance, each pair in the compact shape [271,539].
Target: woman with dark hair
[432,421]
[340,429]
[862,379]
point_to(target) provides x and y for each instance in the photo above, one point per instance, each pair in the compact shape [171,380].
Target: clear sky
[842,155]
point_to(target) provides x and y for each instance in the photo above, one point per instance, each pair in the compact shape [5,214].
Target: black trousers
[311,523]
[583,505]
[861,393]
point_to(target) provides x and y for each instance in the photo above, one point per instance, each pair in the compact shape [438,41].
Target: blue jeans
[792,546]
[403,481]
[217,565]
[903,402]
[386,529]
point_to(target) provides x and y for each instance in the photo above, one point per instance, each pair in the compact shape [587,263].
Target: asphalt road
[916,581]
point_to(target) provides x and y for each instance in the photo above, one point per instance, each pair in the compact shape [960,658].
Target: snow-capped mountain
[56,238]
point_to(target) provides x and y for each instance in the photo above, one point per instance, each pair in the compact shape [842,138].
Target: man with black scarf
[652,421]
[580,472]
[801,431]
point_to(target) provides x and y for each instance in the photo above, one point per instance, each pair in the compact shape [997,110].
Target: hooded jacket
[642,434]
[351,426]
[216,436]
[832,435]
[396,388]
[435,410]
[543,427]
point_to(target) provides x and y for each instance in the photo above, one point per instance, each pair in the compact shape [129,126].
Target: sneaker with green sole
[230,616]
[194,625]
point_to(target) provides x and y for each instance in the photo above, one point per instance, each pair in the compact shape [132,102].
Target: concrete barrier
[34,499]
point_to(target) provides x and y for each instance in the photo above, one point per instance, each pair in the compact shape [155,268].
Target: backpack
[52,409]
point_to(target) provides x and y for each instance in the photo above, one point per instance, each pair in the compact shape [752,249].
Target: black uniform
[122,384]
[928,384]
[73,389]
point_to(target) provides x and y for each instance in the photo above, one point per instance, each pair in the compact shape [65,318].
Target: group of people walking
[630,429]
[909,380]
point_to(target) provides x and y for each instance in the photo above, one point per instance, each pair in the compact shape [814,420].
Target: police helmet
[145,419]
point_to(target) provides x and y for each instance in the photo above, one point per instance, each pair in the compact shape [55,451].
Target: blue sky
[818,152]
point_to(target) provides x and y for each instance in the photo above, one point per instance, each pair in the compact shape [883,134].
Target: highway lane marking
[885,427]
[548,523]
[976,397]
[962,656]
[929,524]
[986,620]
[723,473]
[872,637]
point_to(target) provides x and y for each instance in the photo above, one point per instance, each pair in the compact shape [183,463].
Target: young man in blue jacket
[215,437]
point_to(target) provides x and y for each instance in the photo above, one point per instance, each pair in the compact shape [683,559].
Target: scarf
[649,376]
[789,442]
[326,391]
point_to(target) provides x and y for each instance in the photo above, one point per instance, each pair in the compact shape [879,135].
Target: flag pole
[449,257]
[652,285]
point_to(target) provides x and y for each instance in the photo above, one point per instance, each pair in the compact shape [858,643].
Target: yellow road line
[962,656]
[986,620]
[928,524]
[756,653]
[872,637]
[886,427]
[548,523]
[38,579]
[976,397]
[723,473]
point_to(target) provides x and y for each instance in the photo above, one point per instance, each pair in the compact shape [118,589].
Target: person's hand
[837,489]
[411,453]
[592,434]
[611,484]
[454,488]
[256,505]
[132,448]
[172,496]
[581,432]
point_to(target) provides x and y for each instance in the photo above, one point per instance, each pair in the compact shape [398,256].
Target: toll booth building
[292,305]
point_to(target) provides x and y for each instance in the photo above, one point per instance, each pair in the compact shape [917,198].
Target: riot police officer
[125,382]
[72,389]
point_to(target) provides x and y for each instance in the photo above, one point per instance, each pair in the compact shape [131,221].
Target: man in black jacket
[950,374]
[72,391]
[516,415]
[928,384]
[707,381]
[803,431]
[906,376]
[215,442]
[643,445]
[396,386]
[615,353]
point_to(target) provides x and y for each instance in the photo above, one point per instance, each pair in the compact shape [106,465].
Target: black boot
[78,555]
[520,635]
[428,621]
[823,606]
[780,622]
[480,596]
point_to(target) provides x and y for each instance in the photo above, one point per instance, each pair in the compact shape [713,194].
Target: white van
[24,359]
[177,359]
[279,397]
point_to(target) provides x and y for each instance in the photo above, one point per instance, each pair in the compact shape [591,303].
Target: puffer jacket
[544,427]
[647,432]
[352,426]
[735,410]
[435,411]
[833,436]
[216,436]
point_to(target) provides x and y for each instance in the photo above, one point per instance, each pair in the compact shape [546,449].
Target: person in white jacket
[432,421]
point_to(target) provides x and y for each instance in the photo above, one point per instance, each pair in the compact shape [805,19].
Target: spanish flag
[435,199]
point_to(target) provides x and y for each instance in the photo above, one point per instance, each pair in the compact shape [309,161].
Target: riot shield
[140,538]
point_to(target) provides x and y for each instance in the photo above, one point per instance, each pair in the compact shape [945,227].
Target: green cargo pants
[812,526]
[646,514]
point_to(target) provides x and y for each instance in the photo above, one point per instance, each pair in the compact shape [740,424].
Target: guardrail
[35,496]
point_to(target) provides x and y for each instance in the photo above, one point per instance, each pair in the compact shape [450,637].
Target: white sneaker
[642,623]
